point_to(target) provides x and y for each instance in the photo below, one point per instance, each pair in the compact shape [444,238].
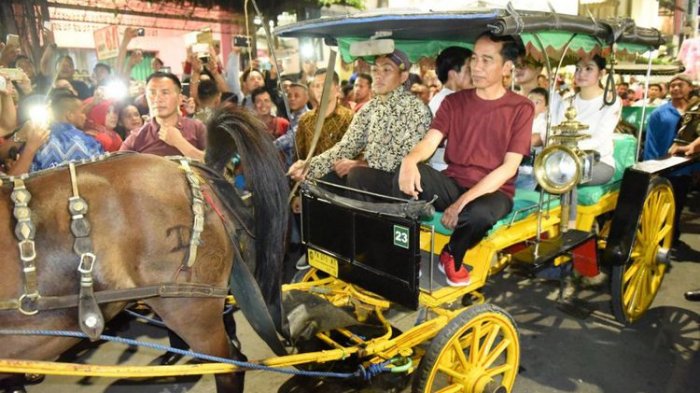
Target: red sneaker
[458,278]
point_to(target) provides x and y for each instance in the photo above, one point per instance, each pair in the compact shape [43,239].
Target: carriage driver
[167,133]
[384,130]
[488,132]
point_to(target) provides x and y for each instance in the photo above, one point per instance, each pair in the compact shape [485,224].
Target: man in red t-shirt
[167,133]
[488,131]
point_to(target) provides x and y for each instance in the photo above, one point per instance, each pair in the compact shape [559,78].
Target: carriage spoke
[631,290]
[641,235]
[488,342]
[644,286]
[664,211]
[459,354]
[502,346]
[636,292]
[631,271]
[450,372]
[474,350]
[663,232]
[502,369]
[455,387]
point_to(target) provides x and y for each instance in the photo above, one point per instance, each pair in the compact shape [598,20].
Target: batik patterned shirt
[334,127]
[66,143]
[383,131]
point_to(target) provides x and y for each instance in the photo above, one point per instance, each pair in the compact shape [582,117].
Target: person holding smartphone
[9,50]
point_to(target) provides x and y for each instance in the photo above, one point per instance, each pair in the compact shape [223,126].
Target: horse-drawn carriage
[367,258]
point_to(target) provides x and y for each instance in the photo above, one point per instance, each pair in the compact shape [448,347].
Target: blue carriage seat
[524,204]
[625,150]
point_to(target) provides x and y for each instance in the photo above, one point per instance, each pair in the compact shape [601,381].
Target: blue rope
[362,372]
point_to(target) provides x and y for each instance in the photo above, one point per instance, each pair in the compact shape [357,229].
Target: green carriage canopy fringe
[553,42]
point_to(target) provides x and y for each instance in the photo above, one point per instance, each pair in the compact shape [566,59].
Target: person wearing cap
[664,122]
[383,131]
[488,132]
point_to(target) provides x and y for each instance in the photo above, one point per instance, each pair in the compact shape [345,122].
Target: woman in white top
[600,118]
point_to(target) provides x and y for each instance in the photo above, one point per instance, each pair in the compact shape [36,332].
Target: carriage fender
[625,220]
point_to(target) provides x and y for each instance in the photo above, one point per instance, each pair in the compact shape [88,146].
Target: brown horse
[140,210]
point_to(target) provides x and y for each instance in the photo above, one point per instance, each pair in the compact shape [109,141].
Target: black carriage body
[376,252]
[633,194]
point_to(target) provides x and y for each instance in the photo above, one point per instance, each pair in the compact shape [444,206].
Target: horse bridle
[91,320]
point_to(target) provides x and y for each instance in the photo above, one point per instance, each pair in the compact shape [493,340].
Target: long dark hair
[231,131]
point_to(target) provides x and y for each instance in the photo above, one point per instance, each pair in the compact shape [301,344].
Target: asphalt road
[561,351]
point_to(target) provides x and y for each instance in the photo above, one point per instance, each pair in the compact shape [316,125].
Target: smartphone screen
[241,41]
[12,39]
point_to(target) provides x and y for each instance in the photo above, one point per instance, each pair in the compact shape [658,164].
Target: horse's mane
[229,131]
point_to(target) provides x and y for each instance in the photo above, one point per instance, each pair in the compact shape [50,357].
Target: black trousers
[474,221]
[365,179]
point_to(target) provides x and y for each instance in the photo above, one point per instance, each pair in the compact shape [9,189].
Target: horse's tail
[231,131]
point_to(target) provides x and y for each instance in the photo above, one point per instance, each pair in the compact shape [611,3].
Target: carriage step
[580,244]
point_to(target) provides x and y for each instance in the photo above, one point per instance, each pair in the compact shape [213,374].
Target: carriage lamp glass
[557,169]
[588,158]
[560,168]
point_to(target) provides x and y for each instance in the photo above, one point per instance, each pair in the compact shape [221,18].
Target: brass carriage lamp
[562,165]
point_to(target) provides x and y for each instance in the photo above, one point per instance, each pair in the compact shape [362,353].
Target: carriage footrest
[549,250]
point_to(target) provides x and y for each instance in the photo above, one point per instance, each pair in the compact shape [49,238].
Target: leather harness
[30,302]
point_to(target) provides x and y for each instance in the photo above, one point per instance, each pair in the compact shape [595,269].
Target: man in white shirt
[653,97]
[452,66]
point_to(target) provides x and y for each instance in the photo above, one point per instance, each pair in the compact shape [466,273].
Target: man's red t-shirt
[480,132]
[146,139]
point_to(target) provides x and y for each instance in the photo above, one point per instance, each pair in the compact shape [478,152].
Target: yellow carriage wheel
[478,351]
[635,284]
[308,275]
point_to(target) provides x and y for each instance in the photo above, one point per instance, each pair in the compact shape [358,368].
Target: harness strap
[25,231]
[171,290]
[90,316]
[197,211]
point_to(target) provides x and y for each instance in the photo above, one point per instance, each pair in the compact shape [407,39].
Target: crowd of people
[459,127]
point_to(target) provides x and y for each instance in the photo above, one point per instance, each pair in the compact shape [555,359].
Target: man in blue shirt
[66,142]
[662,128]
[663,122]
